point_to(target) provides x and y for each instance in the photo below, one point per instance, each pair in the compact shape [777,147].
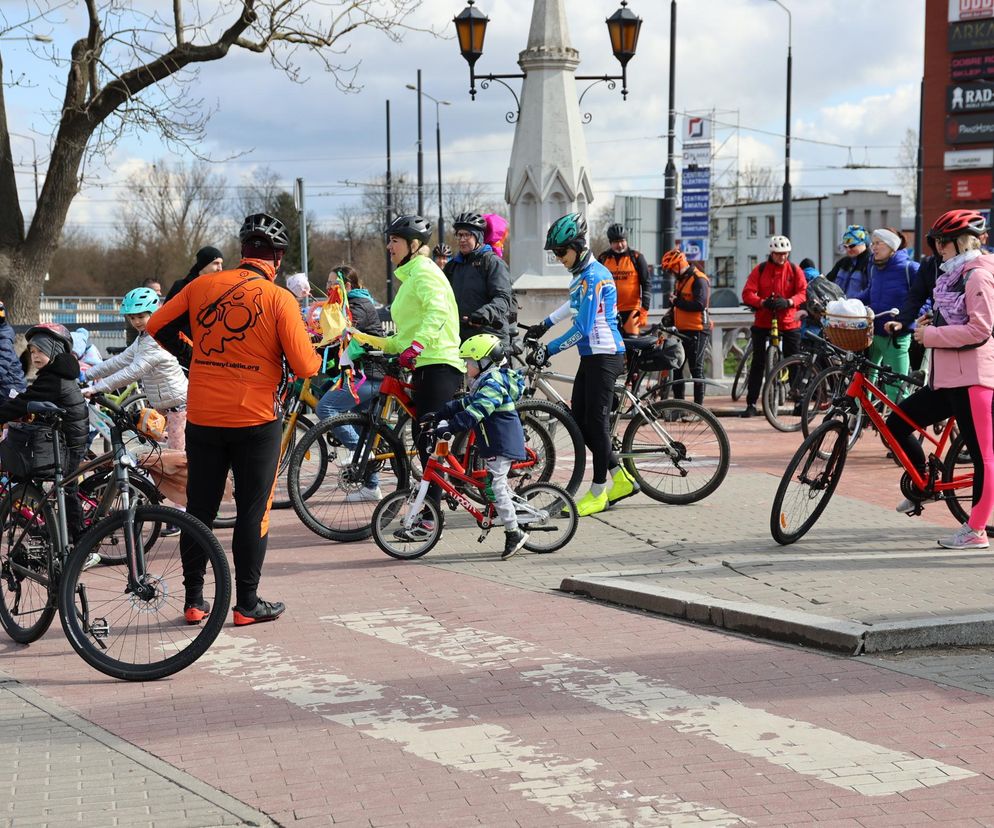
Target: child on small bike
[489,409]
[144,359]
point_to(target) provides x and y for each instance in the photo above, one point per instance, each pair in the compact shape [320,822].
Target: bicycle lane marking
[441,734]
[829,756]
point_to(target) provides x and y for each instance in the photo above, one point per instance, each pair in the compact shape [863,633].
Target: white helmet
[779,244]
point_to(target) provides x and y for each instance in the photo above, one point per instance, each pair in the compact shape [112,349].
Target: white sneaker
[966,537]
[905,506]
[364,495]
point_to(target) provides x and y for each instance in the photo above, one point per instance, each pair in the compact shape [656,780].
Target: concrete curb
[822,632]
[238,809]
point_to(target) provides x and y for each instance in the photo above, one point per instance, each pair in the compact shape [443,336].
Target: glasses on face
[464,235]
[560,252]
[851,246]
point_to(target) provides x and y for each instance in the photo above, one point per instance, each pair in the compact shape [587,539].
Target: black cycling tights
[593,396]
[434,386]
[252,454]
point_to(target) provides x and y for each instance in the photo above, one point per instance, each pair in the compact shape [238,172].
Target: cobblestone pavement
[462,690]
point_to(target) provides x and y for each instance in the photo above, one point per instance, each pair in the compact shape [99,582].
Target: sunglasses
[851,246]
[559,252]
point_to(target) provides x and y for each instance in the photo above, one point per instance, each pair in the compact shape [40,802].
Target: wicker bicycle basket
[840,331]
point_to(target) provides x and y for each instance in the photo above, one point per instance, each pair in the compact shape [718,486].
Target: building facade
[740,233]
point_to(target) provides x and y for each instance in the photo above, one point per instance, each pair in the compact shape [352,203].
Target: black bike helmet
[616,232]
[441,250]
[410,228]
[470,221]
[262,228]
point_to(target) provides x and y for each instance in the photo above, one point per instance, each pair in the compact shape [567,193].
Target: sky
[857,65]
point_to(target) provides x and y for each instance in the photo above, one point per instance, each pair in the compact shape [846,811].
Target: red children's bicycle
[407,524]
[813,473]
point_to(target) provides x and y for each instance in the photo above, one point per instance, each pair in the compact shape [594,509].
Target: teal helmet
[568,231]
[140,300]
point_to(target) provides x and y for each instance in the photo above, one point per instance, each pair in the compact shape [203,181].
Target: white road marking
[802,747]
[441,734]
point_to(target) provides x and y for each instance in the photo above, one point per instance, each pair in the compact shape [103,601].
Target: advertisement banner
[977,159]
[696,250]
[970,10]
[696,129]
[970,129]
[697,155]
[971,36]
[972,187]
[970,97]
[971,67]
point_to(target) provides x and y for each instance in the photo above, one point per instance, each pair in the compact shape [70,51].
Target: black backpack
[820,293]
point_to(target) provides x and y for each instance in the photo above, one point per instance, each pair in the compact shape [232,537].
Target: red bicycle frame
[860,390]
[439,472]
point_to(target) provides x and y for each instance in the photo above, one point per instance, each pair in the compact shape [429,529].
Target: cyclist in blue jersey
[593,311]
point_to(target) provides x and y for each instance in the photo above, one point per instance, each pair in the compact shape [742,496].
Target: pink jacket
[952,368]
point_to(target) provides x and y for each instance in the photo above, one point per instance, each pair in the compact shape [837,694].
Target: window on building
[753,261]
[771,225]
[850,216]
[724,271]
[883,218]
[714,228]
[753,226]
[733,228]
[867,220]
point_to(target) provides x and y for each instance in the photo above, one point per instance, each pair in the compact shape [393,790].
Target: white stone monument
[548,174]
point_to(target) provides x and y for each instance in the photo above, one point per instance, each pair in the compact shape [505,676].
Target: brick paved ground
[460,690]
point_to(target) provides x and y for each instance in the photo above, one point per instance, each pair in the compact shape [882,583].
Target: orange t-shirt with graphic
[242,325]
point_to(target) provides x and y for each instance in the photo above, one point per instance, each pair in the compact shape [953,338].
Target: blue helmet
[855,234]
[140,300]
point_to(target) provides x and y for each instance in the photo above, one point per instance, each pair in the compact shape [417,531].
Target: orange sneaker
[262,611]
[196,611]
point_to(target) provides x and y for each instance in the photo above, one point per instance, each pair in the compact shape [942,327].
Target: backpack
[820,293]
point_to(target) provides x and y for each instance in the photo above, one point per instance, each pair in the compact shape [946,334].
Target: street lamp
[438,152]
[785,221]
[471,28]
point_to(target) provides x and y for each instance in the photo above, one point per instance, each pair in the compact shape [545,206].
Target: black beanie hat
[205,256]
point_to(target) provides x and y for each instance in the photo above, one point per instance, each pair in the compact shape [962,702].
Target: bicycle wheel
[959,464]
[741,380]
[808,482]
[818,405]
[677,451]
[771,359]
[91,494]
[569,461]
[548,515]
[404,433]
[388,522]
[783,391]
[140,634]
[281,498]
[339,510]
[27,604]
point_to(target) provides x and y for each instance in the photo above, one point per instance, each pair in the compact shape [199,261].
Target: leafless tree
[136,70]
[907,168]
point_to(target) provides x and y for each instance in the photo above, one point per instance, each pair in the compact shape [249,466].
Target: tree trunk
[21,279]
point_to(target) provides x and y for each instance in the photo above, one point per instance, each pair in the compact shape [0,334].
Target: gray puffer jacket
[144,360]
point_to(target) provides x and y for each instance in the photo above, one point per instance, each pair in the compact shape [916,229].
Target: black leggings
[928,406]
[434,386]
[593,396]
[791,341]
[251,454]
[694,348]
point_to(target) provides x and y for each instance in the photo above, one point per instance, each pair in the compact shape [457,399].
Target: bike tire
[326,512]
[143,638]
[27,591]
[817,406]
[798,505]
[560,524]
[669,444]
[958,463]
[281,500]
[389,516]
[310,481]
[741,381]
[783,392]
[141,487]
[571,455]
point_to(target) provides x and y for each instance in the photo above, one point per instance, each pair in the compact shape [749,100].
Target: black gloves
[536,331]
[478,319]
[539,357]
[427,421]
[776,303]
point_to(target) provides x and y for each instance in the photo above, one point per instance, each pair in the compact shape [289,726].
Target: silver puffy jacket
[144,360]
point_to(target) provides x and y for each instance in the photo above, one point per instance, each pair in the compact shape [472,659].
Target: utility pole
[389,211]
[669,185]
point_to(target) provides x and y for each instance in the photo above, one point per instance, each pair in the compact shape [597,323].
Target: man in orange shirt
[247,332]
[631,276]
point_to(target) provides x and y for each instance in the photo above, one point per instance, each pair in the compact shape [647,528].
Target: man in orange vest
[690,300]
[631,276]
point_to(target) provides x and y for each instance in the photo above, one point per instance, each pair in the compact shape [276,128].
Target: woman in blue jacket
[891,274]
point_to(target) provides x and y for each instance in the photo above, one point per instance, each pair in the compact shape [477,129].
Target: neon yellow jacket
[425,311]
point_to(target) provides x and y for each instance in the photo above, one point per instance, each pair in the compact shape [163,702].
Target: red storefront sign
[972,187]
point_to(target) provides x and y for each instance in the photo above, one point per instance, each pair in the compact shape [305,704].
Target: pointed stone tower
[548,174]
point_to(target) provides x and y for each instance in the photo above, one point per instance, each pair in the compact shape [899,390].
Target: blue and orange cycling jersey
[593,306]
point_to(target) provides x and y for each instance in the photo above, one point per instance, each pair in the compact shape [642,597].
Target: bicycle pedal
[99,629]
[483,536]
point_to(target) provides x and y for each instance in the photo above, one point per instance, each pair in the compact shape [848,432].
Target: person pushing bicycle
[489,410]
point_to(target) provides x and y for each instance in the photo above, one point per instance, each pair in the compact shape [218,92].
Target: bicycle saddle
[44,407]
[639,343]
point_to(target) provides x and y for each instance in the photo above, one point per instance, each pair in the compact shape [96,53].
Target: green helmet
[567,230]
[484,348]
